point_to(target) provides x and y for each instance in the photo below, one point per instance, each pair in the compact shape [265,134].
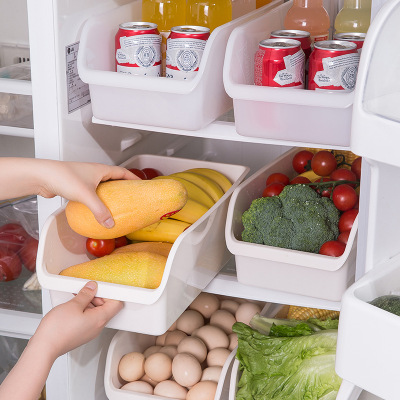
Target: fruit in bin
[344,237]
[311,175]
[343,174]
[344,197]
[333,248]
[301,161]
[323,163]
[298,180]
[356,167]
[138,172]
[134,204]
[347,219]
[151,172]
[100,247]
[28,253]
[13,236]
[166,230]
[215,175]
[152,247]
[141,269]
[191,212]
[277,177]
[10,265]
[121,241]
[273,189]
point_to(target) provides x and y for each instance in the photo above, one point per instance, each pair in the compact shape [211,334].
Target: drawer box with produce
[312,117]
[374,299]
[196,256]
[280,268]
[153,101]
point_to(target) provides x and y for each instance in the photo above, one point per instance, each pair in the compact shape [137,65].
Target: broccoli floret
[299,219]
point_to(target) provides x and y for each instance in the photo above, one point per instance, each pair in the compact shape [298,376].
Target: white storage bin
[126,342]
[368,350]
[281,269]
[153,101]
[315,118]
[195,258]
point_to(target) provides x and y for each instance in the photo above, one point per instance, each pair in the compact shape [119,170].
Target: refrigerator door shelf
[367,350]
[154,101]
[287,115]
[291,271]
[196,257]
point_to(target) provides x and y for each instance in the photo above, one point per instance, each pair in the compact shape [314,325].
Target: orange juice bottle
[166,14]
[242,7]
[355,16]
[208,13]
[310,16]
[261,3]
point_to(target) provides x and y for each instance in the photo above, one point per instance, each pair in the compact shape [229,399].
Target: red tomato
[277,177]
[12,236]
[333,248]
[121,241]
[344,197]
[344,237]
[28,253]
[138,172]
[323,163]
[151,172]
[301,159]
[346,220]
[299,179]
[10,265]
[273,189]
[356,167]
[343,174]
[326,191]
[100,247]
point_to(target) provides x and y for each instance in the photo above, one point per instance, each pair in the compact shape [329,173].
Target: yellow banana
[194,192]
[215,175]
[208,185]
[166,230]
[190,212]
[311,175]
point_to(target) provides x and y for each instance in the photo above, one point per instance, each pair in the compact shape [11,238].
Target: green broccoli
[298,218]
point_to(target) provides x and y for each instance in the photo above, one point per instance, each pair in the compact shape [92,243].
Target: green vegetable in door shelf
[390,303]
[295,361]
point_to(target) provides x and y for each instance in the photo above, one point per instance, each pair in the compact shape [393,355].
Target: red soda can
[138,49]
[279,63]
[333,66]
[354,37]
[185,47]
[302,36]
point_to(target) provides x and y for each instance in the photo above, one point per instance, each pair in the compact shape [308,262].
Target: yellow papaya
[152,247]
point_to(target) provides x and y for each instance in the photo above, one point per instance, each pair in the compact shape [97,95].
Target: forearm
[26,380]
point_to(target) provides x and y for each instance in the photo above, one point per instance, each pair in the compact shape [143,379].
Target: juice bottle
[310,16]
[355,16]
[242,7]
[261,3]
[208,13]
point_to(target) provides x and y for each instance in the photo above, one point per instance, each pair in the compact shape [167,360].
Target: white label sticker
[294,70]
[78,91]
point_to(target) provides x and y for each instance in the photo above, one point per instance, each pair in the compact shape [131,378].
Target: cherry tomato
[299,179]
[301,159]
[28,253]
[151,172]
[356,167]
[273,189]
[100,247]
[344,237]
[12,236]
[10,265]
[326,191]
[343,174]
[347,219]
[121,241]
[344,197]
[277,177]
[323,163]
[138,172]
[333,248]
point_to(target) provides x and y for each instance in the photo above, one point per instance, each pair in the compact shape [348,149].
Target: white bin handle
[348,391]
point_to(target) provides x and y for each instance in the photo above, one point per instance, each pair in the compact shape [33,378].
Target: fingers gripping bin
[282,269]
[153,101]
[195,258]
[303,116]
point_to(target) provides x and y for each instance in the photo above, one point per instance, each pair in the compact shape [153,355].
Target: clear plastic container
[153,101]
[287,116]
[195,258]
[292,271]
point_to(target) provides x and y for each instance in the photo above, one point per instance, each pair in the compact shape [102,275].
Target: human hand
[76,322]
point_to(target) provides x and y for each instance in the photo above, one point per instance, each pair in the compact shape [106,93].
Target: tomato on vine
[333,248]
[343,174]
[323,163]
[344,197]
[273,189]
[277,177]
[356,167]
[347,219]
[299,179]
[301,160]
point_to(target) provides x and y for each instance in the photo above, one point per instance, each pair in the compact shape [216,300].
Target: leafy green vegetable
[390,303]
[287,367]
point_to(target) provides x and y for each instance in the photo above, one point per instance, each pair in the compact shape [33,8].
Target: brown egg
[229,305]
[174,337]
[160,340]
[205,304]
[195,346]
[204,390]
[189,321]
[224,320]
[169,350]
[211,374]
[212,336]
[139,386]
[246,312]
[233,341]
[151,350]
[172,327]
[145,378]
[171,390]
[158,367]
[131,366]
[186,370]
[217,357]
